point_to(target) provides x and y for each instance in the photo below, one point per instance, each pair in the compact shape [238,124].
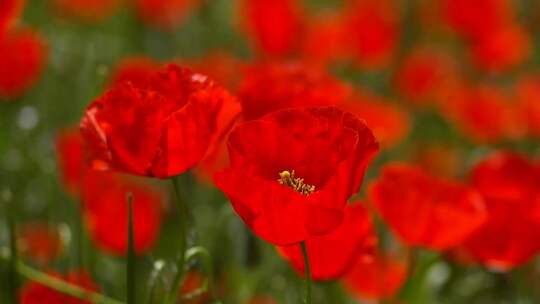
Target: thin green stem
[130,273]
[182,235]
[13,280]
[63,286]
[307,299]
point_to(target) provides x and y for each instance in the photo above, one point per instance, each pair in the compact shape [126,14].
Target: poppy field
[269,151]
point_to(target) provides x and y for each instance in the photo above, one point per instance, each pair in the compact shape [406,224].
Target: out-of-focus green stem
[13,280]
[131,258]
[307,268]
[62,286]
[182,235]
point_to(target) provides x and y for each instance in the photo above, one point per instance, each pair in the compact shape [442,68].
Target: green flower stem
[13,280]
[307,299]
[182,235]
[63,286]
[130,273]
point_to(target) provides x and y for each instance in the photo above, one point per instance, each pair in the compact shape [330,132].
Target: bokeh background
[449,82]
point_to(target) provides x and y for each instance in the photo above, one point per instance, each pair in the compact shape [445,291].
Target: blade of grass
[13,280]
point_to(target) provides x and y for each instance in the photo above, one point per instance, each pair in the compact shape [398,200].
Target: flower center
[288,179]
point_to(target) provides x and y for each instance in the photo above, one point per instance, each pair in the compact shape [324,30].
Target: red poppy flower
[22,57]
[476,19]
[41,242]
[423,74]
[160,129]
[275,26]
[376,277]
[224,69]
[87,10]
[136,70]
[293,170]
[331,255]
[35,293]
[510,184]
[70,156]
[165,14]
[527,92]
[373,28]
[106,212]
[389,122]
[485,113]
[10,10]
[217,157]
[503,49]
[268,87]
[426,211]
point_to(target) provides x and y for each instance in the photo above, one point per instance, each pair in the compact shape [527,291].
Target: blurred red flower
[70,158]
[136,69]
[485,113]
[503,49]
[389,122]
[479,18]
[293,170]
[268,87]
[424,74]
[10,10]
[22,57]
[527,92]
[87,10]
[106,212]
[331,255]
[275,26]
[376,277]
[40,241]
[510,184]
[165,14]
[424,210]
[35,293]
[159,129]
[373,28]
[325,39]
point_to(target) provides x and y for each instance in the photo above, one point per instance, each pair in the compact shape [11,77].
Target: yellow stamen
[288,179]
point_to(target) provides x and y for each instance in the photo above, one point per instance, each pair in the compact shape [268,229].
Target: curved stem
[63,286]
[207,261]
[130,273]
[307,299]
[182,218]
